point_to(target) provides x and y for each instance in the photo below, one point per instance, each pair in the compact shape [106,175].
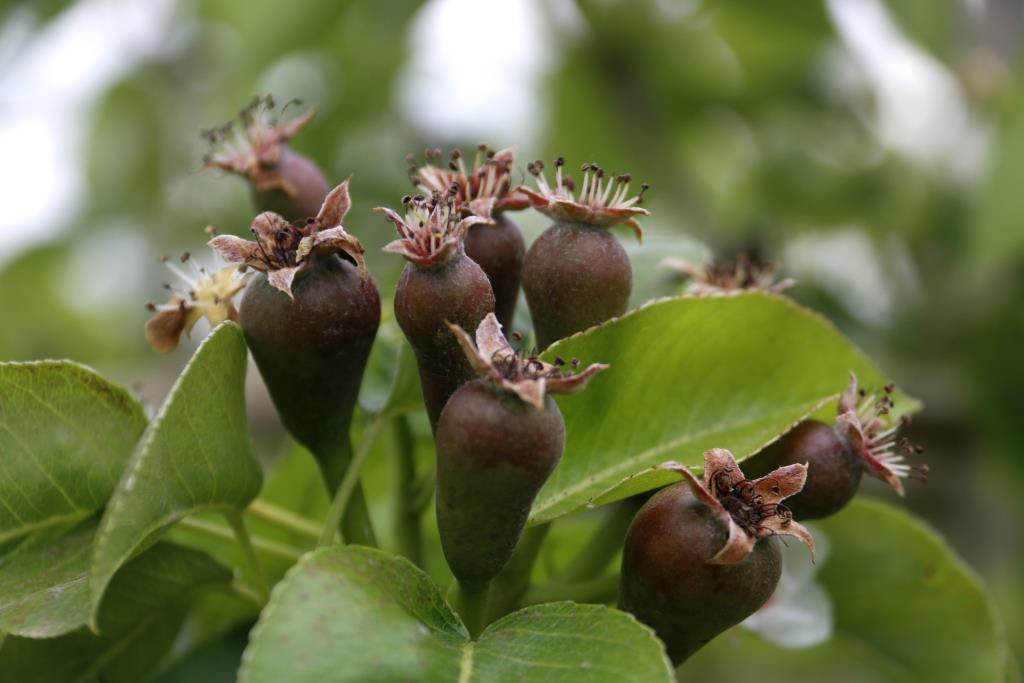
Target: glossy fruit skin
[312,353]
[456,291]
[833,469]
[668,583]
[494,452]
[303,175]
[575,276]
[499,250]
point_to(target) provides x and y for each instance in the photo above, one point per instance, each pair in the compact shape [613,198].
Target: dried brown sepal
[727,277]
[251,145]
[750,509]
[282,249]
[484,190]
[866,423]
[601,202]
[529,378]
[432,230]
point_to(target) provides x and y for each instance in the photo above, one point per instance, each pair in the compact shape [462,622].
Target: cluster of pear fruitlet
[700,555]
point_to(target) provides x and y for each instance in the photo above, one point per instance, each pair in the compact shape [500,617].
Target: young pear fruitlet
[576,274]
[486,190]
[439,285]
[700,556]
[865,437]
[310,316]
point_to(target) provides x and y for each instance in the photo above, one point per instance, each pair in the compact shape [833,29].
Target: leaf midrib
[633,461]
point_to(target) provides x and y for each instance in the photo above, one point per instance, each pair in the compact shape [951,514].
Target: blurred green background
[872,147]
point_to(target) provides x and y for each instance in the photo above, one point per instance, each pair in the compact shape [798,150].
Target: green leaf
[43,590]
[65,434]
[688,374]
[358,614]
[194,456]
[140,617]
[905,609]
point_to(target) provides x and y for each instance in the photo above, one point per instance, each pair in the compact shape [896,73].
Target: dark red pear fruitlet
[439,285]
[485,191]
[576,274]
[699,557]
[256,147]
[310,317]
[836,456]
[498,440]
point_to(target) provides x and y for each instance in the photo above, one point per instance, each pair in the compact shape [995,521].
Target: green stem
[237,524]
[284,519]
[514,580]
[599,591]
[603,546]
[469,599]
[349,504]
[407,530]
[245,592]
[262,545]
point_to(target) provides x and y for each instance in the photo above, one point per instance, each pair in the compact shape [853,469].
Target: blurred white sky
[49,79]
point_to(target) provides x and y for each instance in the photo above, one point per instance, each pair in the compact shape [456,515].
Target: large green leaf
[65,435]
[688,374]
[194,456]
[905,609]
[140,617]
[358,614]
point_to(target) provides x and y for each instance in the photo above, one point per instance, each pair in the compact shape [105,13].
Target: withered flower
[283,249]
[486,189]
[207,295]
[751,509]
[433,228]
[727,277]
[254,145]
[866,422]
[602,202]
[529,378]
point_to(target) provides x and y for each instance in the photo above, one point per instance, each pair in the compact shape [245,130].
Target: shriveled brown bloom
[486,189]
[751,509]
[433,229]
[283,249]
[529,378]
[866,422]
[727,277]
[602,202]
[252,145]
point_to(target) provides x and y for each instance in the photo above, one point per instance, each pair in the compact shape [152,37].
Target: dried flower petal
[602,202]
[432,230]
[866,423]
[530,379]
[251,145]
[485,190]
[283,249]
[750,509]
[728,277]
